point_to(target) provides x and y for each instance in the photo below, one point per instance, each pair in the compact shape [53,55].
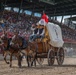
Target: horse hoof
[10,66]
[28,66]
[20,66]
[7,62]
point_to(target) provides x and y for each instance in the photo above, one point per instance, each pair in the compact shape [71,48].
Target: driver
[34,28]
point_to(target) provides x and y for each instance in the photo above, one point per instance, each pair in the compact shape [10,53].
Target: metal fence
[70,49]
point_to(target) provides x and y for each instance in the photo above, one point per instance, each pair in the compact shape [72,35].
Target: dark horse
[12,50]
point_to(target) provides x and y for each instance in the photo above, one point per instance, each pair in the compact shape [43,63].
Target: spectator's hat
[37,25]
[1,21]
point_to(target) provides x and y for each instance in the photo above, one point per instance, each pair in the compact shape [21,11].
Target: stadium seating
[24,21]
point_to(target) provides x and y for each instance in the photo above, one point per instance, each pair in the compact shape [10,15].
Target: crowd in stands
[69,34]
[22,23]
[20,20]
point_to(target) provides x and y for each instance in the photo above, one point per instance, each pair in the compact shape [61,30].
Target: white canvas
[55,35]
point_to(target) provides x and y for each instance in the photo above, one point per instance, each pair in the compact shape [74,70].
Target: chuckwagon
[51,46]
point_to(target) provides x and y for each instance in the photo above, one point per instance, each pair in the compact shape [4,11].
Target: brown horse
[12,50]
[17,40]
[30,53]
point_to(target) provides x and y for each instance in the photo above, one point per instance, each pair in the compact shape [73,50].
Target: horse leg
[33,62]
[19,61]
[4,54]
[27,58]
[11,60]
[29,61]
[35,59]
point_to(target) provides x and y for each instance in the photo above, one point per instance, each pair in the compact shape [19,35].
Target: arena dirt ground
[68,68]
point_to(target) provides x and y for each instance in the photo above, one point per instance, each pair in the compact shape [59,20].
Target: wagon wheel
[60,57]
[51,57]
[40,61]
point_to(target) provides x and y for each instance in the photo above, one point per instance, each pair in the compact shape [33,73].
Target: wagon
[51,46]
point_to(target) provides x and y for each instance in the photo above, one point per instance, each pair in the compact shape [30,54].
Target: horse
[30,52]
[12,50]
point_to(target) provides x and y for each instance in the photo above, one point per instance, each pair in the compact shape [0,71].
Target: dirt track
[68,68]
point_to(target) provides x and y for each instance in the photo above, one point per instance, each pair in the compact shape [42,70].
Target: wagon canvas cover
[55,34]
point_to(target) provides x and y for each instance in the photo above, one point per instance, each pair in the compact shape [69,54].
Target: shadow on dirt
[46,66]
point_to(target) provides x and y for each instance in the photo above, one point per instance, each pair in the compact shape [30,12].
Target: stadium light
[28,0]
[48,1]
